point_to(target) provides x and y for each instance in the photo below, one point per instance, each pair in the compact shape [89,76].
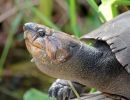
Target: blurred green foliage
[73,18]
[9,41]
[34,94]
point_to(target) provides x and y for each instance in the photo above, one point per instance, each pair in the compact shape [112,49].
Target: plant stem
[13,29]
[95,7]
[73,18]
[74,90]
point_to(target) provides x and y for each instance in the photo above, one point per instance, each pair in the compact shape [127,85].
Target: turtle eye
[41,32]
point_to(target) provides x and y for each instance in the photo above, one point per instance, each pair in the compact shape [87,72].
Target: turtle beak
[29,28]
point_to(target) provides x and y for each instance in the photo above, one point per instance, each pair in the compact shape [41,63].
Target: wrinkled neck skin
[75,68]
[89,67]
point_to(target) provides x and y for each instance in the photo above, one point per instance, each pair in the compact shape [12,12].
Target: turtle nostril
[28,26]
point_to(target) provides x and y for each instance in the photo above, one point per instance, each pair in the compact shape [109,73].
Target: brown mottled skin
[62,56]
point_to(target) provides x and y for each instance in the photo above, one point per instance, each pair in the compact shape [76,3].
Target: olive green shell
[116,33]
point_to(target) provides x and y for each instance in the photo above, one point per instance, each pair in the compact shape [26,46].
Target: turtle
[104,65]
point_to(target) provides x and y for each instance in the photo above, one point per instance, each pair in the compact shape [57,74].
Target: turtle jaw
[35,48]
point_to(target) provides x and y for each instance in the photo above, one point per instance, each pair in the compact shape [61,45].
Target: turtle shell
[116,33]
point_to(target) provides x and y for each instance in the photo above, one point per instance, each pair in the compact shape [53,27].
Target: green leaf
[108,9]
[93,90]
[96,9]
[73,18]
[46,7]
[34,94]
[122,2]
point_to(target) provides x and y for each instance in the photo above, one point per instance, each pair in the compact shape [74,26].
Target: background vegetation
[76,17]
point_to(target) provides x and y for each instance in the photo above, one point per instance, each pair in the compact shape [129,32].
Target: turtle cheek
[39,42]
[34,51]
[35,48]
[61,55]
[50,49]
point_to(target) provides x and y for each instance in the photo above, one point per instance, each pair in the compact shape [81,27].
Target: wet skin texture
[62,56]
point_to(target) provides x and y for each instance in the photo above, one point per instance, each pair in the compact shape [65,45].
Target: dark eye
[41,32]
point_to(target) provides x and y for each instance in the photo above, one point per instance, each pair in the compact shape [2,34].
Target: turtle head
[49,47]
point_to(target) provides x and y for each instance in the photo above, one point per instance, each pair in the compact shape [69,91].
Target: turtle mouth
[30,38]
[34,48]
[38,54]
[29,43]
